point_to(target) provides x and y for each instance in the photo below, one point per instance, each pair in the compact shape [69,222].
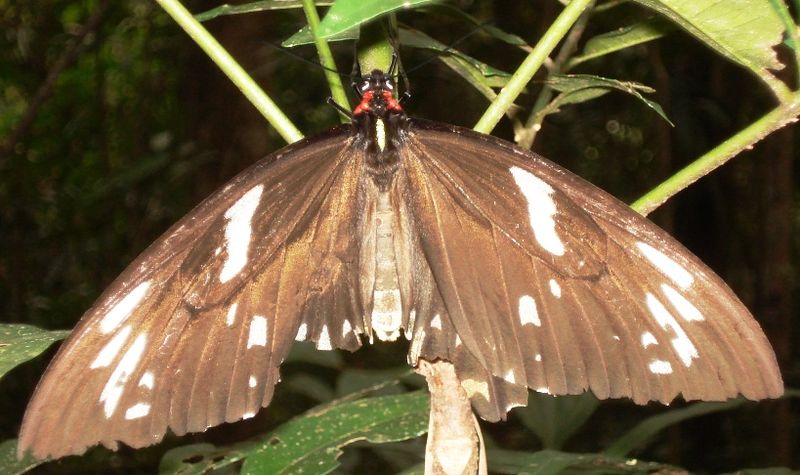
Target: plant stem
[528,134]
[263,103]
[325,57]
[782,115]
[532,63]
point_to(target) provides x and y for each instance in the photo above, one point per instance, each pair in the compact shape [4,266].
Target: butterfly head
[377,95]
[380,123]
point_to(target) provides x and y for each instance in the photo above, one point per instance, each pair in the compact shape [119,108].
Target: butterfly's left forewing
[193,332]
[555,285]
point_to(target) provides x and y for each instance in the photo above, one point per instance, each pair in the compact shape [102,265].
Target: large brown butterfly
[483,254]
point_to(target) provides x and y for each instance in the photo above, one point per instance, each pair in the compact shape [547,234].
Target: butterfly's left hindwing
[191,334]
[553,284]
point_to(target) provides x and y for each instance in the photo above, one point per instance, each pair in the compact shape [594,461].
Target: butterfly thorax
[380,124]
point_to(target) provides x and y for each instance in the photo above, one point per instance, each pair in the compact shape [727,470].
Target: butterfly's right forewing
[193,332]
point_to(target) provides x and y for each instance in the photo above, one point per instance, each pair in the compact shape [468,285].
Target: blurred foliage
[138,127]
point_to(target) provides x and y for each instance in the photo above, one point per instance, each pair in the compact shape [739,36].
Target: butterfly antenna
[304,60]
[450,47]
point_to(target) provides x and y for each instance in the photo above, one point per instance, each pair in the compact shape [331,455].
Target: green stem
[782,115]
[325,57]
[532,63]
[232,69]
[568,47]
[374,48]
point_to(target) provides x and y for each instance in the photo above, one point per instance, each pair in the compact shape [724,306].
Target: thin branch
[263,103]
[67,58]
[557,31]
[325,57]
[528,133]
[782,115]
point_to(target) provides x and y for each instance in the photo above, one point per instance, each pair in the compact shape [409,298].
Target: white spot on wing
[555,289]
[238,232]
[538,357]
[248,415]
[689,312]
[676,272]
[230,319]
[324,342]
[683,346]
[543,390]
[137,411]
[147,380]
[115,385]
[660,367]
[252,382]
[123,309]
[648,339]
[110,351]
[346,328]
[301,332]
[541,209]
[436,322]
[510,377]
[258,332]
[458,341]
[528,312]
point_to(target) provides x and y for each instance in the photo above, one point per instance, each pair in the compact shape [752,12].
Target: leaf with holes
[312,442]
[744,31]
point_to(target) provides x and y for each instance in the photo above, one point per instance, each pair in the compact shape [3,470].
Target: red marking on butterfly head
[377,95]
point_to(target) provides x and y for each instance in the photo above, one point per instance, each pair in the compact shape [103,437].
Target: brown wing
[191,334]
[553,284]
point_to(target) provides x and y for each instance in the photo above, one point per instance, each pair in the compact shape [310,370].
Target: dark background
[105,145]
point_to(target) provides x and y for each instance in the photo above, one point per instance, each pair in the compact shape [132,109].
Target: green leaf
[552,462]
[745,31]
[196,459]
[343,19]
[347,14]
[575,88]
[20,343]
[253,7]
[555,419]
[418,39]
[622,38]
[304,37]
[312,442]
[8,459]
[478,74]
[648,428]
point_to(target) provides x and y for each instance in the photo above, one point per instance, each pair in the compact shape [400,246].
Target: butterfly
[480,253]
